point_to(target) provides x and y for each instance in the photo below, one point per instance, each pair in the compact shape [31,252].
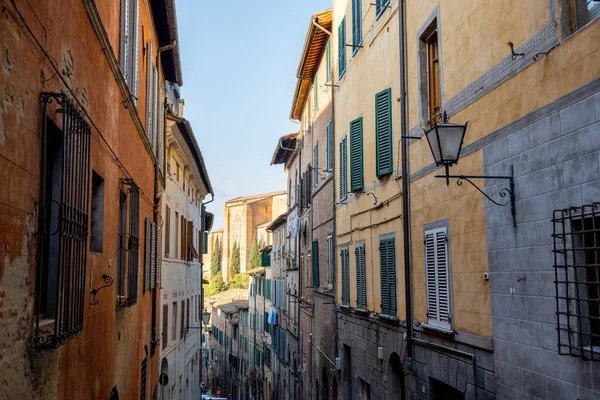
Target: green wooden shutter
[380,7]
[345,258]
[387,254]
[204,242]
[328,60]
[383,132]
[343,168]
[356,155]
[356,25]
[329,147]
[315,263]
[342,48]
[316,165]
[361,277]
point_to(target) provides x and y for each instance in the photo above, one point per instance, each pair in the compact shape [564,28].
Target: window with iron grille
[144,377]
[576,239]
[129,243]
[63,222]
[165,327]
[97,220]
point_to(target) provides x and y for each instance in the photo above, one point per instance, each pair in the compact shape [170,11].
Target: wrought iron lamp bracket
[108,281]
[507,192]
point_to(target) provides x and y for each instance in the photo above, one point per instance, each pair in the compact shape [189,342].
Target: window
[387,260]
[578,13]
[356,155]
[577,271]
[361,277]
[316,94]
[150,255]
[345,262]
[356,25]
[167,231]
[187,314]
[434,75]
[328,72]
[316,165]
[380,6]
[182,327]
[174,322]
[97,220]
[130,44]
[365,390]
[177,171]
[129,243]
[315,263]
[383,132]
[343,169]
[437,277]
[65,186]
[342,48]
[144,376]
[165,327]
[176,233]
[330,255]
[329,147]
[183,242]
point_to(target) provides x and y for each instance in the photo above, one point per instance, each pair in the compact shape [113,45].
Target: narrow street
[303,200]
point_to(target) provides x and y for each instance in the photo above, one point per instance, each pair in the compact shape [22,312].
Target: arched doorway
[114,394]
[324,385]
[396,375]
[334,389]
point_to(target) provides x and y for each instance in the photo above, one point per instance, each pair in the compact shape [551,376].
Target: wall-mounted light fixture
[108,282]
[445,141]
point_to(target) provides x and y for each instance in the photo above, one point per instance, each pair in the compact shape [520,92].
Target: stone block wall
[555,153]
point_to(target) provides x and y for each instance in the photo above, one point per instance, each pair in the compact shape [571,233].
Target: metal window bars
[576,238]
[63,222]
[129,244]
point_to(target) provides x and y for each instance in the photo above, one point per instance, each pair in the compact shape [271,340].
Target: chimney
[181,104]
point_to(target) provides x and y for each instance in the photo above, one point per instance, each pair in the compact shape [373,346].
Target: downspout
[156,207]
[405,186]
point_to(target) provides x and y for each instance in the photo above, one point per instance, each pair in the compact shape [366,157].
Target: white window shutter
[159,257]
[135,50]
[155,113]
[149,97]
[437,277]
[124,50]
[153,256]
[147,253]
[161,129]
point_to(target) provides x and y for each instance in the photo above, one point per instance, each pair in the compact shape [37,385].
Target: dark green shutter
[380,7]
[343,169]
[356,25]
[383,132]
[345,258]
[328,60]
[342,48]
[204,242]
[356,155]
[387,254]
[315,263]
[361,279]
[316,165]
[329,147]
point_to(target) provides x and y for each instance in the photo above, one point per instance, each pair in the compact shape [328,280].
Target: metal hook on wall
[108,282]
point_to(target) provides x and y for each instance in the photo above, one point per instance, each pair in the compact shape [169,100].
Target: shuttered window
[383,132]
[343,168]
[437,277]
[316,94]
[345,261]
[387,260]
[165,327]
[329,146]
[342,48]
[150,104]
[356,25]
[356,155]
[315,263]
[330,255]
[150,255]
[434,76]
[380,6]
[144,378]
[328,61]
[129,47]
[316,165]
[361,277]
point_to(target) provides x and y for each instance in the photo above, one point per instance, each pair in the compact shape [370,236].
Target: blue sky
[239,60]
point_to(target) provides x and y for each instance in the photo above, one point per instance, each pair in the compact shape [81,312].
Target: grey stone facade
[555,152]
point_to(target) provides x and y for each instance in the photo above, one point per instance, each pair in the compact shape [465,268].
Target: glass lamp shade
[205,317]
[445,141]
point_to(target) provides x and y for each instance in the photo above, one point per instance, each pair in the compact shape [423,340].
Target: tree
[254,255]
[234,268]
[215,262]
[215,286]
[239,281]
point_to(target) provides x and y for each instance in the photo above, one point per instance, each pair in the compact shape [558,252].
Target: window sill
[439,329]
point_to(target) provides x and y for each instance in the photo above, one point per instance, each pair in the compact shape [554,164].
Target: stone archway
[396,376]
[324,385]
[334,389]
[164,369]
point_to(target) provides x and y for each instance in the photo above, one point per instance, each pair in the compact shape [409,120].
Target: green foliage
[254,255]
[215,262]
[215,286]
[234,268]
[239,281]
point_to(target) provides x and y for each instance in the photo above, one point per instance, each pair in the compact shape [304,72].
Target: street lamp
[205,317]
[445,142]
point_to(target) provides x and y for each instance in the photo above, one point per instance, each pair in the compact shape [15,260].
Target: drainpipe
[405,185]
[154,341]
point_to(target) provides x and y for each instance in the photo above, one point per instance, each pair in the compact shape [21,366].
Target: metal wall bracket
[108,282]
[505,192]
